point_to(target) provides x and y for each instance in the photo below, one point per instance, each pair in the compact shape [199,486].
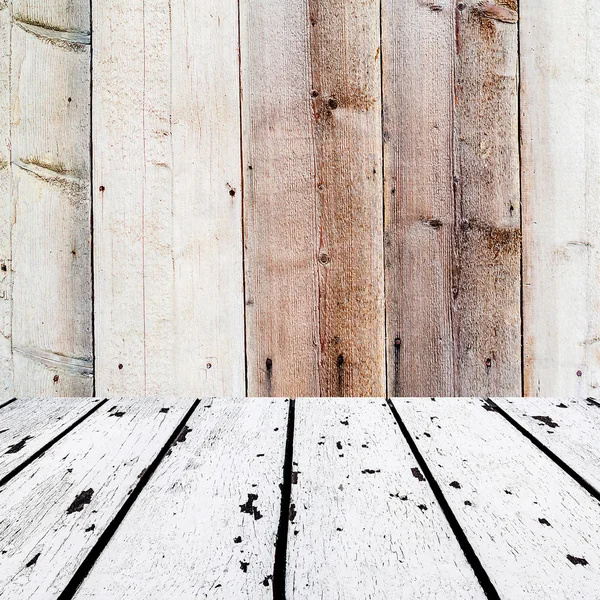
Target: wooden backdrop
[299,197]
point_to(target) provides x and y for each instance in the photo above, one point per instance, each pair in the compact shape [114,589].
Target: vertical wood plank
[452,197]
[313,208]
[6,206]
[168,245]
[560,74]
[50,154]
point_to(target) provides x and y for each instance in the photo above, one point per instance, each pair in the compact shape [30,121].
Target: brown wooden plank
[313,208]
[452,197]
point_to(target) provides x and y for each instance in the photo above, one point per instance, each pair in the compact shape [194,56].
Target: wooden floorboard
[533,527]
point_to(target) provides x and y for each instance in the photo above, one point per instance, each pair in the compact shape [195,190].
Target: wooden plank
[167,204]
[560,74]
[214,503]
[50,154]
[569,427]
[534,529]
[364,521]
[54,511]
[313,197]
[27,425]
[452,197]
[6,207]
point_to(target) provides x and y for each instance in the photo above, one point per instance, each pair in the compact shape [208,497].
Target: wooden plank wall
[309,198]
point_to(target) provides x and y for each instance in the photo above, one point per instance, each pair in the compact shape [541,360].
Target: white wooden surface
[53,512]
[569,427]
[364,522]
[533,527]
[27,425]
[560,102]
[6,206]
[201,543]
[167,198]
[51,231]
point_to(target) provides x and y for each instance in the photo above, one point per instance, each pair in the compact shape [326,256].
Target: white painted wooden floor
[177,498]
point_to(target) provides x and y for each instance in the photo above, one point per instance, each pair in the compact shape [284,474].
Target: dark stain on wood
[417,473]
[292,513]
[455,485]
[546,421]
[183,434]
[80,501]
[18,446]
[370,471]
[244,566]
[249,508]
[592,402]
[544,522]
[33,560]
[577,561]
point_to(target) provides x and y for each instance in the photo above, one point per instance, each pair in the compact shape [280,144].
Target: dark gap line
[541,446]
[51,443]
[279,567]
[383,190]
[519,141]
[8,402]
[472,558]
[105,537]
[242,194]
[92,195]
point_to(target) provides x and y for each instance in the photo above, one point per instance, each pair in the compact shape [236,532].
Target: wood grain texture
[452,197]
[569,427]
[27,425]
[364,521]
[6,206]
[215,501]
[51,231]
[54,511]
[313,201]
[534,529]
[560,76]
[167,205]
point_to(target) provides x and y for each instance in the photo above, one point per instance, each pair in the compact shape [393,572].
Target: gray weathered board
[314,498]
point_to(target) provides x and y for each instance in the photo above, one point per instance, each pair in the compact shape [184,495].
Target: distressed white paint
[570,427]
[359,534]
[169,311]
[201,544]
[510,486]
[560,102]
[29,424]
[51,245]
[107,453]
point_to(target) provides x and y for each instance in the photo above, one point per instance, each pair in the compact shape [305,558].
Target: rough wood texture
[452,197]
[569,427]
[560,74]
[6,206]
[215,501]
[50,154]
[534,529]
[167,208]
[54,511]
[364,522]
[313,211]
[27,425]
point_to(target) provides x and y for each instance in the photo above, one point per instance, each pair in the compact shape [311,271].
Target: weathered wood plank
[560,74]
[6,206]
[452,197]
[27,425]
[313,197]
[50,155]
[167,204]
[54,511]
[569,427]
[364,522]
[535,530]
[214,504]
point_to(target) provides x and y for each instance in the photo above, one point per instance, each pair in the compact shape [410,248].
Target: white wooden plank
[214,505]
[50,154]
[167,200]
[569,427]
[53,512]
[27,425]
[6,206]
[364,522]
[535,530]
[560,104]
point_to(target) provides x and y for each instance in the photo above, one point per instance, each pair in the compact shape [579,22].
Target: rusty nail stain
[333,103]
[55,379]
[120,366]
[101,188]
[579,373]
